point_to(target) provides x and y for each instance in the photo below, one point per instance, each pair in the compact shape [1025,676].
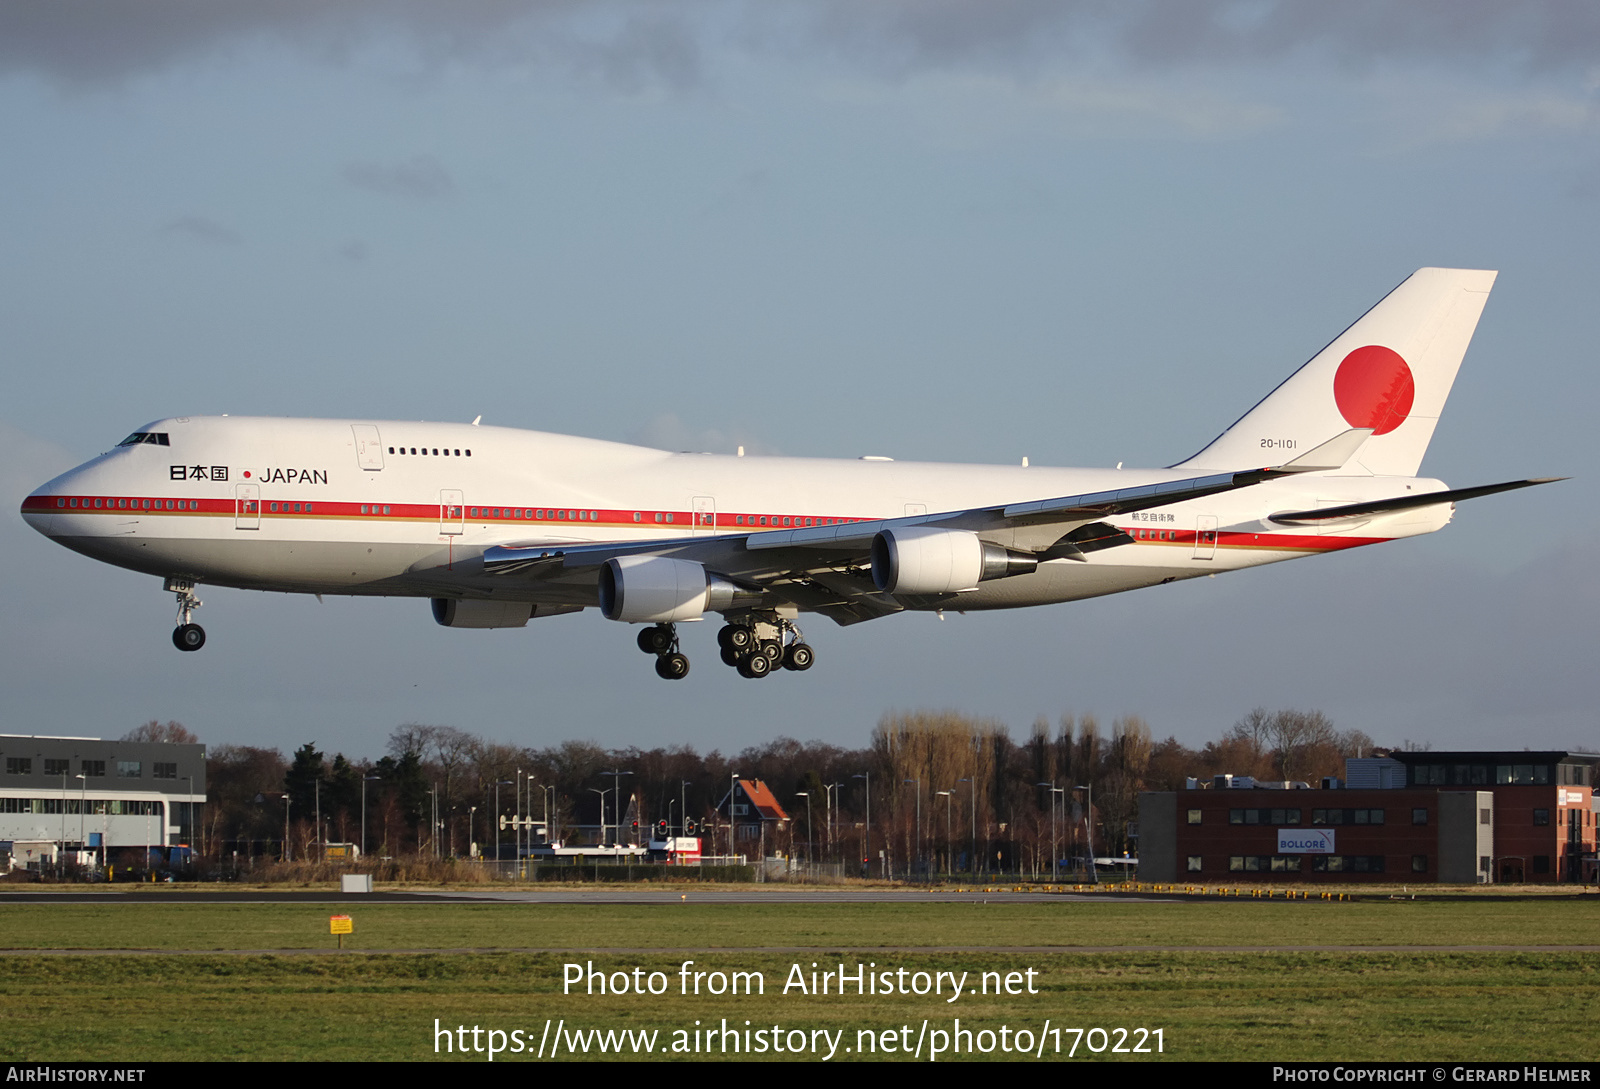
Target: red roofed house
[756,815]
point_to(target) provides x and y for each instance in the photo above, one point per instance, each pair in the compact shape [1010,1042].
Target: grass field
[366,1005]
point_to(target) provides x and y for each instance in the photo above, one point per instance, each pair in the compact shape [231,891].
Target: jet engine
[923,560]
[662,590]
[456,613]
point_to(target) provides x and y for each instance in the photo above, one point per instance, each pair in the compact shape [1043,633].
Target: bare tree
[169,732]
[1299,741]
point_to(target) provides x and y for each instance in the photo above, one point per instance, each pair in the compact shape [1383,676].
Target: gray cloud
[631,44]
[944,33]
[201,229]
[420,177]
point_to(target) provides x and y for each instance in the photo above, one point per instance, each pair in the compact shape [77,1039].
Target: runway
[532,894]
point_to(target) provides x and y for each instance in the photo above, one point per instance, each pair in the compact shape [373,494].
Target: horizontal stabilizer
[1404,502]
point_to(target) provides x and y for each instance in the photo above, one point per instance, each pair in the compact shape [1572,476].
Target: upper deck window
[152,438]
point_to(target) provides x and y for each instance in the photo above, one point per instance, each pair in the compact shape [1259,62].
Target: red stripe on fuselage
[433,513]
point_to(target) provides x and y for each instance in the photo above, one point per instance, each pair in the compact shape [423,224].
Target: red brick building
[1454,817]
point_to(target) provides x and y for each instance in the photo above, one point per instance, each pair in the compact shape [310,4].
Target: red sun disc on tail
[1373,388]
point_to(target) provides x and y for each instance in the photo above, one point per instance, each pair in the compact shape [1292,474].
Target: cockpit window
[153,438]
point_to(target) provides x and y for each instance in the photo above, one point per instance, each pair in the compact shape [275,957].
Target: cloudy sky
[1084,233]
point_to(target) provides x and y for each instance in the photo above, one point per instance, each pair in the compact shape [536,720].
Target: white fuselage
[407,509]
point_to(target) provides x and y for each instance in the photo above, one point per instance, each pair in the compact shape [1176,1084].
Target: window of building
[1419,863]
[128,769]
[1194,864]
[19,765]
[93,769]
[1262,816]
[159,770]
[1485,816]
[1541,817]
[1265,863]
[1419,816]
[57,767]
[1194,816]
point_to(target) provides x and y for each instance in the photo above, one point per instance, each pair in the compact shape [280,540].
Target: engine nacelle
[924,560]
[456,613]
[662,590]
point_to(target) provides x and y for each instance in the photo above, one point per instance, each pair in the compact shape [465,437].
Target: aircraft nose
[49,507]
[39,510]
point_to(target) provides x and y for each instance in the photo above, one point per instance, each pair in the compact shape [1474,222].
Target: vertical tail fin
[1390,371]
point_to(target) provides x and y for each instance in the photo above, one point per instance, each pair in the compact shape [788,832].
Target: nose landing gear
[187,635]
[662,641]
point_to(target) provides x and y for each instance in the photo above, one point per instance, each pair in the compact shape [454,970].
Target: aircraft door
[369,446]
[247,506]
[452,515]
[705,514]
[1205,537]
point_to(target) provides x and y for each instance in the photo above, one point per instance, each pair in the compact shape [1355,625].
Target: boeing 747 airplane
[499,526]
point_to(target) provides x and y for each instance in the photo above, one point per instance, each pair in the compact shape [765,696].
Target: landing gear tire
[755,666]
[656,639]
[773,651]
[738,638]
[672,667]
[798,657]
[730,657]
[188,637]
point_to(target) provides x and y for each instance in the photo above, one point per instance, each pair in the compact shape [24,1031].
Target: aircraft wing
[825,568]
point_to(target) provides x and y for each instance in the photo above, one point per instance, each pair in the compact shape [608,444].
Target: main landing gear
[754,647]
[662,641]
[757,648]
[187,635]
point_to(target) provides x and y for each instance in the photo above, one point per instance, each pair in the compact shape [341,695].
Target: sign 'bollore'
[1300,841]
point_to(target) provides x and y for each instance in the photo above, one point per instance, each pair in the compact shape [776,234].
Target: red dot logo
[247,474]
[1373,388]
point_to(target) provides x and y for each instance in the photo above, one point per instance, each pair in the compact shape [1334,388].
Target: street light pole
[1088,826]
[365,779]
[617,784]
[949,863]
[867,828]
[919,816]
[972,856]
[1055,852]
[63,848]
[810,849]
[602,793]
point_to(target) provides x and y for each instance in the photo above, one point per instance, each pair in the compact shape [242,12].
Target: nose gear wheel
[187,635]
